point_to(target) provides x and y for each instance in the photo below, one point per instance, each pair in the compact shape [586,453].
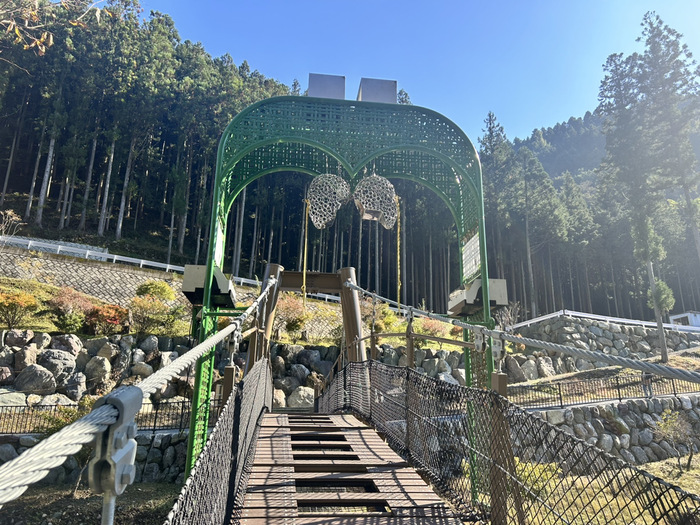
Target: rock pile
[298,370]
[37,369]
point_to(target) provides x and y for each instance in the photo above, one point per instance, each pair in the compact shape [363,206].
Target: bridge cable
[644,366]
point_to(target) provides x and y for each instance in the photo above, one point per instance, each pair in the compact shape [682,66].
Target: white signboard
[471,257]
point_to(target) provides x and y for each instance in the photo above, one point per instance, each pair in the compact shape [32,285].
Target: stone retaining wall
[627,429]
[160,457]
[635,342]
[112,283]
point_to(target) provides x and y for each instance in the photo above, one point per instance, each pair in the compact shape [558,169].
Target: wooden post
[410,353]
[352,320]
[274,271]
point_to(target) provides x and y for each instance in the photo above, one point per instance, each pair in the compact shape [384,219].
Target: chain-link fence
[497,463]
[218,477]
[567,393]
[168,414]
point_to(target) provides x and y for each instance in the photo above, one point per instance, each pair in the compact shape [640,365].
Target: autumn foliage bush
[107,319]
[16,307]
[70,309]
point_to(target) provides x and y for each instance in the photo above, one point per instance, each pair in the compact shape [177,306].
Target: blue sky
[532,62]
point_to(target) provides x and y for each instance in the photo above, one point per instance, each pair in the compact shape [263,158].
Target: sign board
[471,258]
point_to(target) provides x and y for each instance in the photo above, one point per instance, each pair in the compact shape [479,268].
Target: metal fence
[497,463]
[165,415]
[214,490]
[566,393]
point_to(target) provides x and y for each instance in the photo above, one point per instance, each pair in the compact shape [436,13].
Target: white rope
[35,463]
[644,366]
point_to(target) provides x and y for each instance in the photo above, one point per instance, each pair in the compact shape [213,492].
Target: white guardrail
[96,255]
[616,320]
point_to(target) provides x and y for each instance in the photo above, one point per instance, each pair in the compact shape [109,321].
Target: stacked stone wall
[630,341]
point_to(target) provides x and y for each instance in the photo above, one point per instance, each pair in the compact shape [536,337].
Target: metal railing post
[561,397]
[617,384]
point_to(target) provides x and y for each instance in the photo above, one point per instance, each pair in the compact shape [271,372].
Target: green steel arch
[348,138]
[316,136]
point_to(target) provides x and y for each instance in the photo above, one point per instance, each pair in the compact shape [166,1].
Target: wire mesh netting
[218,477]
[496,462]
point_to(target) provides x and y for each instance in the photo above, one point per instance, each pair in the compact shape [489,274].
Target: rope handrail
[660,370]
[35,463]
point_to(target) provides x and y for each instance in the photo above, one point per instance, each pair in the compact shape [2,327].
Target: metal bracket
[478,340]
[497,348]
[112,469]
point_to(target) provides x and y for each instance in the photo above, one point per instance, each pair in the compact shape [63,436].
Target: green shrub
[291,314]
[158,289]
[537,479]
[70,308]
[16,307]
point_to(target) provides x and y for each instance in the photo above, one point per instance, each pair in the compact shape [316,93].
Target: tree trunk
[657,314]
[692,222]
[172,229]
[88,181]
[45,181]
[430,273]
[70,197]
[64,207]
[105,194]
[30,199]
[376,257]
[9,166]
[182,229]
[253,247]
[125,189]
[530,276]
[271,234]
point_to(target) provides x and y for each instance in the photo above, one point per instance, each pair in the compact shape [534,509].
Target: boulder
[55,399]
[25,357]
[167,358]
[35,379]
[7,356]
[18,337]
[7,452]
[323,367]
[59,362]
[165,344]
[443,367]
[149,344]
[299,372]
[453,359]
[75,387]
[308,358]
[287,384]
[7,376]
[141,369]
[138,356]
[82,359]
[529,368]
[447,378]
[315,381]
[279,400]
[9,398]
[332,353]
[460,375]
[121,364]
[109,351]
[93,345]
[430,366]
[279,367]
[418,356]
[302,397]
[127,342]
[97,371]
[515,372]
[67,342]
[545,367]
[41,340]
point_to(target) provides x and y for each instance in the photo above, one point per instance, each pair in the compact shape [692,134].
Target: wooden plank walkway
[334,470]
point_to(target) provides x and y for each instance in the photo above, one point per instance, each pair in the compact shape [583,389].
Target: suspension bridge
[384,444]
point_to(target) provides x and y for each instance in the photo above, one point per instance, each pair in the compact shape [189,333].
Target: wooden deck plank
[304,450]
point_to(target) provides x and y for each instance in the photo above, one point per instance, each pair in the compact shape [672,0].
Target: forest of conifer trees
[109,137]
